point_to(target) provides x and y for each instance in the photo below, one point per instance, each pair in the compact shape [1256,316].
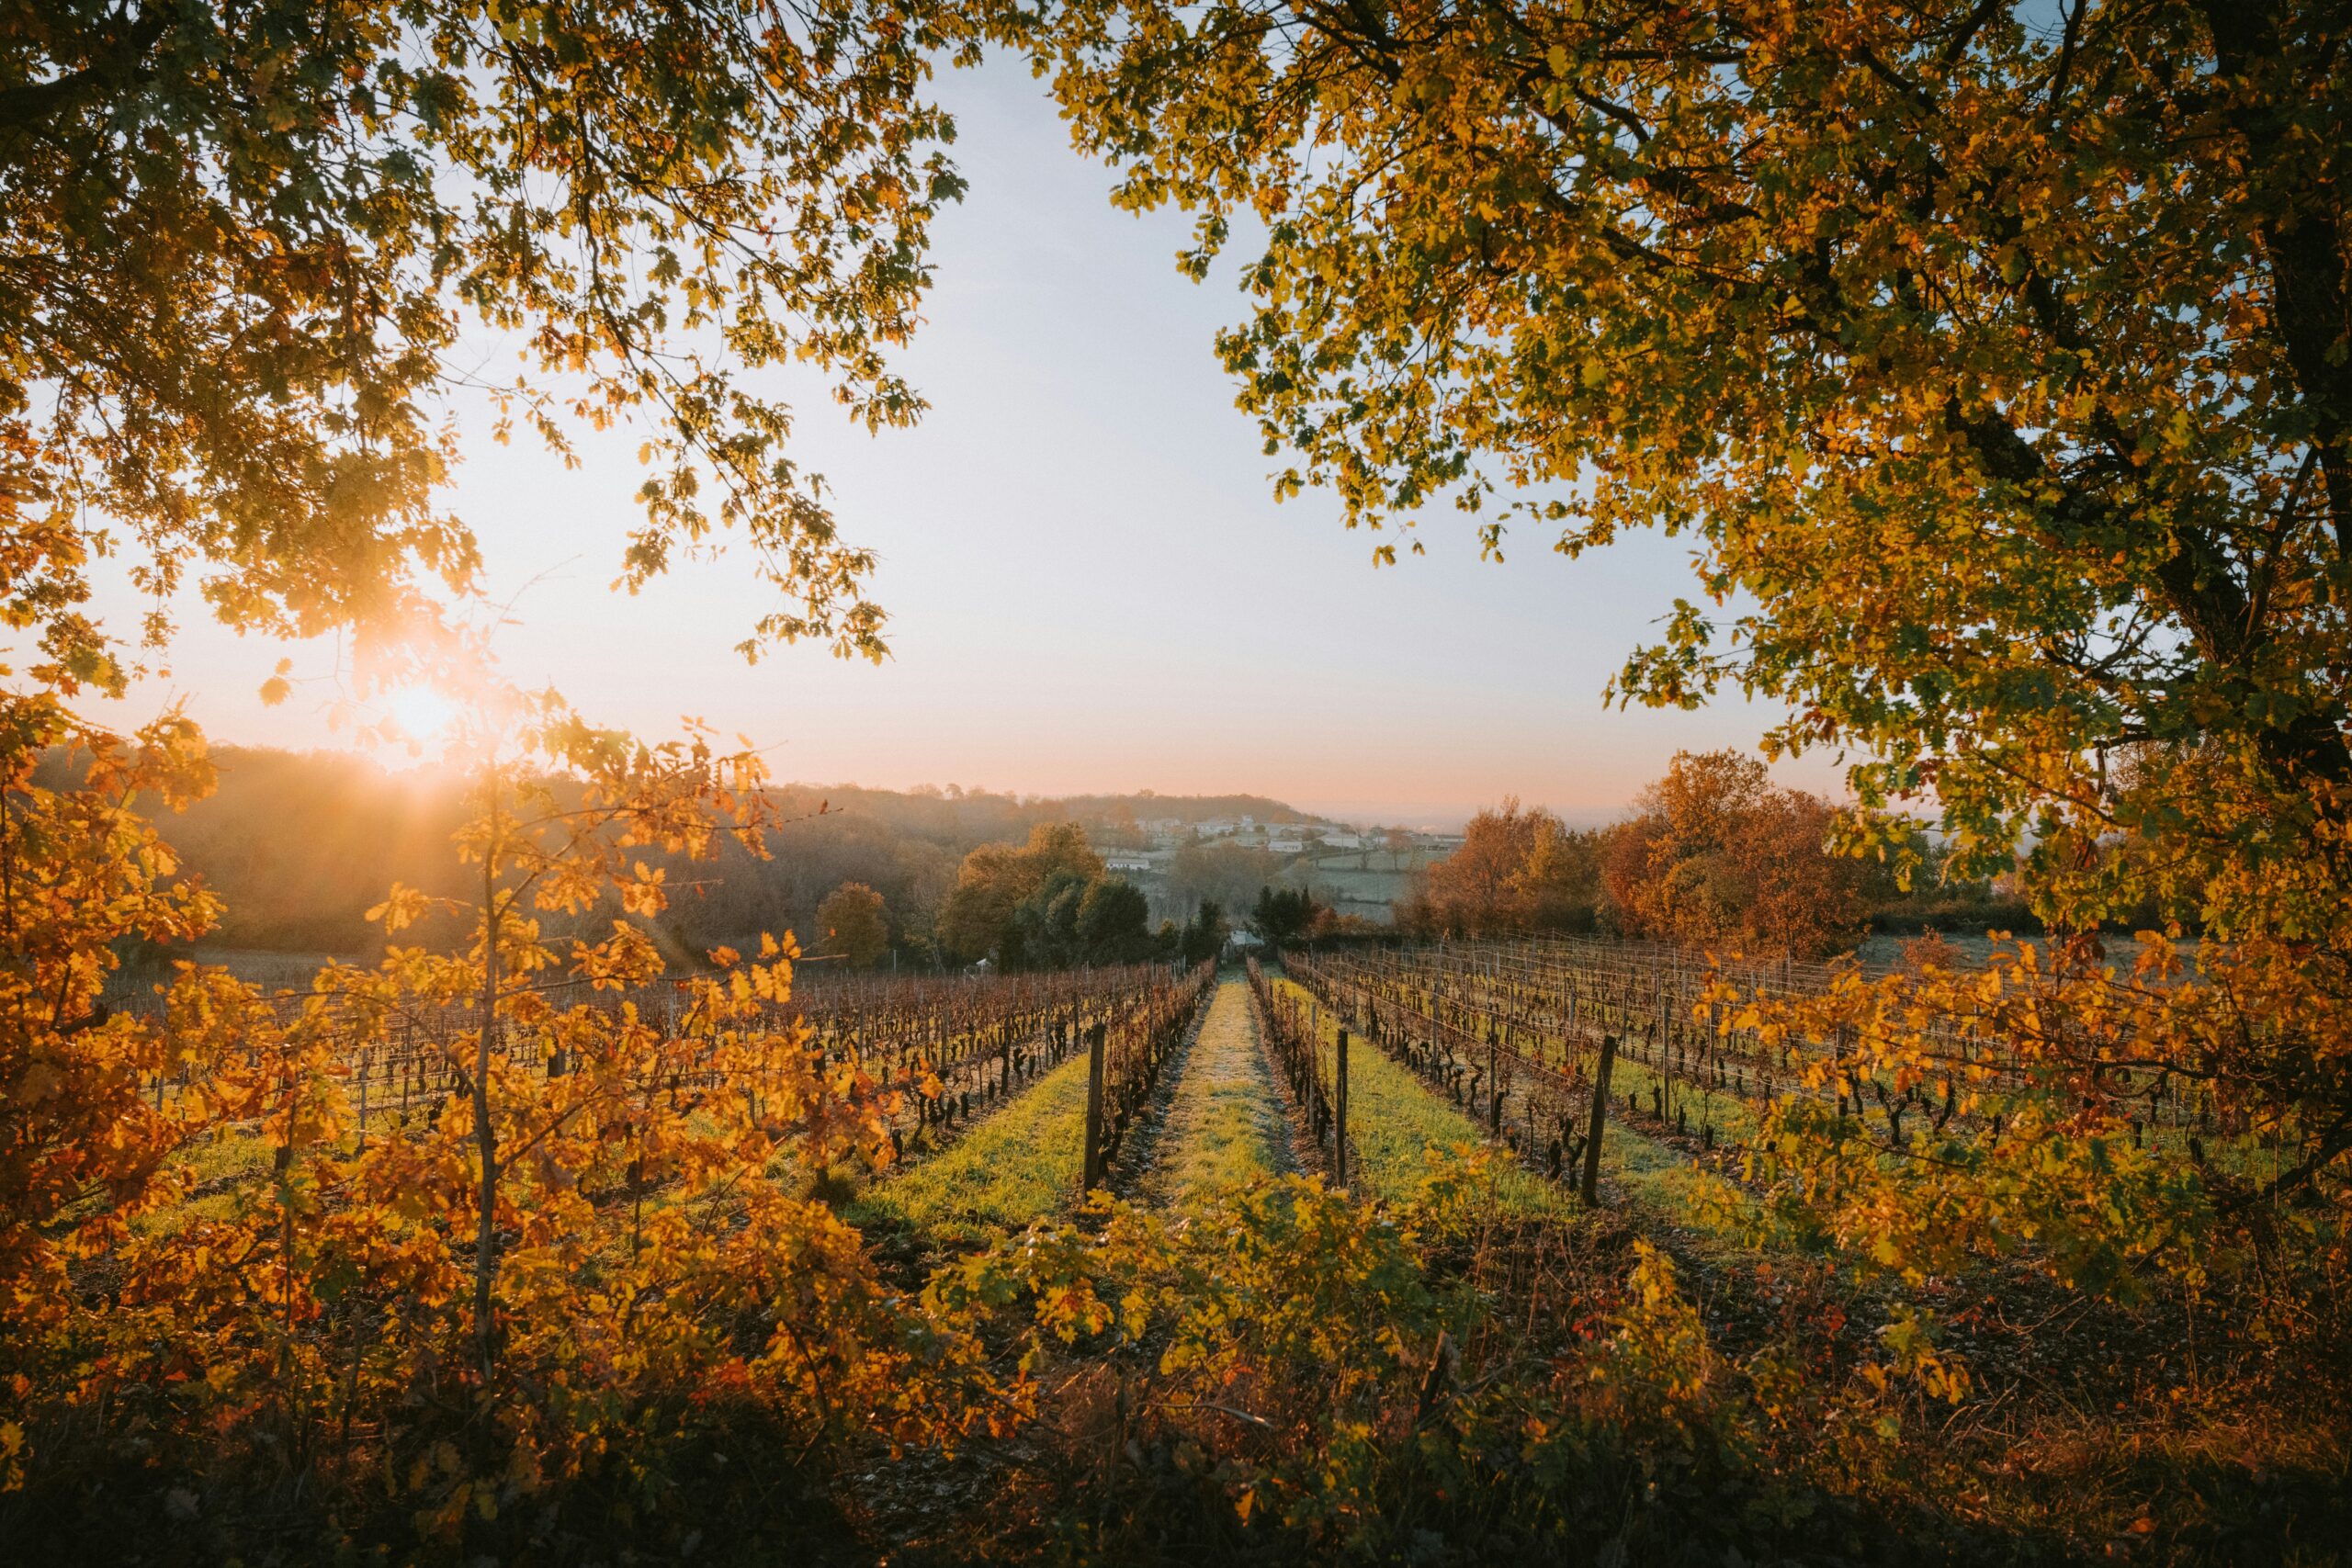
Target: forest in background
[300,845]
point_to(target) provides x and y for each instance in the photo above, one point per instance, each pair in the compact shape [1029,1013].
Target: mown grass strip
[1022,1162]
[1225,1126]
[1394,1120]
[1659,1175]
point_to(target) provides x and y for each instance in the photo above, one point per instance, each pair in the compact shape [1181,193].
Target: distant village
[1164,836]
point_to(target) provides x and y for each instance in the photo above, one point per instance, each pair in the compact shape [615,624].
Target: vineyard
[922,1055]
[1518,1033]
[1417,1081]
[1060,1208]
[491,1250]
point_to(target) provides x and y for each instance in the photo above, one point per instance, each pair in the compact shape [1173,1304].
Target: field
[1367,883]
[1266,1348]
[1989,1445]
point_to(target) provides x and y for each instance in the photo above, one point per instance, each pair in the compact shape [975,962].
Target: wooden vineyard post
[1665,1063]
[1494,1083]
[1599,1120]
[1094,1108]
[1340,1115]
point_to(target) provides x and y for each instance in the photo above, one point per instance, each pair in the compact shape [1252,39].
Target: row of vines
[925,1054]
[1308,1077]
[1512,1033]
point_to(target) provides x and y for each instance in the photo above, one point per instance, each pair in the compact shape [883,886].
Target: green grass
[1658,1176]
[1224,1127]
[1395,1120]
[224,1166]
[1022,1162]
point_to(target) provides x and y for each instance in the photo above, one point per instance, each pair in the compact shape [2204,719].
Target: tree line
[297,846]
[1049,904]
[1713,855]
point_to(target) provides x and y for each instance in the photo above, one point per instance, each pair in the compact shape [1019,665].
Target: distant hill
[978,816]
[299,845]
[1149,804]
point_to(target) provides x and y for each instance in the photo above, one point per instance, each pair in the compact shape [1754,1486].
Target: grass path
[1395,1119]
[1021,1162]
[1224,1128]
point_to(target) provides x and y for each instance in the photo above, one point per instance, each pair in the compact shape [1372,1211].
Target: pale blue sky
[1090,587]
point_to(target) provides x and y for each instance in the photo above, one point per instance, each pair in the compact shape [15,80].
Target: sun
[420,712]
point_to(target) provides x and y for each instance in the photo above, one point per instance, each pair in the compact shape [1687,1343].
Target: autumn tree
[1467,891]
[852,923]
[241,250]
[1717,856]
[978,918]
[1892,312]
[1517,870]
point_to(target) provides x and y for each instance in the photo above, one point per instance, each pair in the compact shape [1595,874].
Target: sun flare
[420,712]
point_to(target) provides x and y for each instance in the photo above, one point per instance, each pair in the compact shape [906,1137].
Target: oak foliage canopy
[1997,361]
[249,252]
[1998,355]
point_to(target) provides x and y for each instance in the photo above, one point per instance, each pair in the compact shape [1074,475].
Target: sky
[1090,585]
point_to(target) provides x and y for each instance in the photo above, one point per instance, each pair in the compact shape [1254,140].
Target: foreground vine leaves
[528,1305]
[1283,1369]
[2033,1109]
[84,1150]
